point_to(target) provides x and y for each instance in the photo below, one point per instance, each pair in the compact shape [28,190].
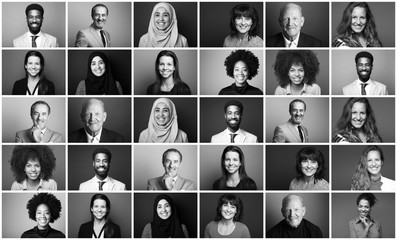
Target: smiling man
[94,35]
[171,180]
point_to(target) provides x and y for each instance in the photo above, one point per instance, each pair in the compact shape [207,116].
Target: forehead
[293,202]
[232,154]
[373,154]
[34,12]
[99,202]
[298,105]
[363,202]
[232,108]
[40,108]
[94,106]
[162,202]
[359,11]
[161,105]
[100,10]
[292,9]
[97,59]
[42,207]
[33,160]
[161,10]
[33,59]
[240,64]
[101,156]
[166,59]
[363,60]
[173,156]
[296,65]
[357,106]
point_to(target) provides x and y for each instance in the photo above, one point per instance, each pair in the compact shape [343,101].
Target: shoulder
[248,134]
[147,231]
[182,41]
[310,40]
[19,41]
[56,234]
[216,184]
[185,89]
[211,225]
[275,40]
[49,36]
[143,135]
[322,184]
[50,184]
[311,225]
[339,43]
[143,40]
[22,81]
[16,186]
[77,135]
[182,136]
[275,231]
[253,91]
[379,84]
[241,226]
[227,41]
[227,90]
[111,136]
[250,184]
[294,184]
[280,91]
[81,88]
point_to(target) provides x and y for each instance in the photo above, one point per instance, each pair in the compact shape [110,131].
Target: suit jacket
[90,37]
[181,184]
[106,136]
[377,89]
[49,136]
[242,137]
[288,133]
[25,41]
[21,87]
[86,230]
[92,185]
[305,40]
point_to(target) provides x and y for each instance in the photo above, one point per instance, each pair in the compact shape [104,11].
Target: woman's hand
[367,222]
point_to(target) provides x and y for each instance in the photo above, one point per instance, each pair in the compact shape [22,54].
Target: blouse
[44,185]
[254,41]
[357,229]
[297,184]
[313,89]
[240,231]
[245,90]
[81,88]
[147,231]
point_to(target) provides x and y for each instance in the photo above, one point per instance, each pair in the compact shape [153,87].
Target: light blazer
[288,133]
[90,37]
[305,40]
[181,184]
[25,41]
[377,89]
[92,185]
[49,136]
[106,136]
[243,137]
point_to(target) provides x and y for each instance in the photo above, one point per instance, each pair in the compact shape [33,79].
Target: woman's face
[99,209]
[374,162]
[240,73]
[98,66]
[163,209]
[228,211]
[162,114]
[309,167]
[364,208]
[359,115]
[232,162]
[243,24]
[43,216]
[166,66]
[359,19]
[33,66]
[296,73]
[33,169]
[162,19]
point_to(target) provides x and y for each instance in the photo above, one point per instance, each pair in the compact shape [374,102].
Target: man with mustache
[171,180]
[233,133]
[94,35]
[364,85]
[102,181]
[293,131]
[35,37]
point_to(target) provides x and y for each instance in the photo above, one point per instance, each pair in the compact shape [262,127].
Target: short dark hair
[294,101]
[34,6]
[364,54]
[99,5]
[367,196]
[234,103]
[39,102]
[233,200]
[47,199]
[171,150]
[104,151]
[310,153]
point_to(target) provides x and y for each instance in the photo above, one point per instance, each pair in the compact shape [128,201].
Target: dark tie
[34,41]
[101,185]
[103,38]
[300,132]
[363,85]
[232,136]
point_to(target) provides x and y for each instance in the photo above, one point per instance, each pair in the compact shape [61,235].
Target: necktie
[103,38]
[101,185]
[301,133]
[34,41]
[363,85]
[232,136]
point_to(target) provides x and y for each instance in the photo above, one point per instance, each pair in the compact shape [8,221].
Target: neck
[101,177]
[308,179]
[99,221]
[234,177]
[241,36]
[227,222]
[375,177]
[296,88]
[32,183]
[240,84]
[290,38]
[33,79]
[168,82]
[233,130]
[34,32]
[43,227]
[92,133]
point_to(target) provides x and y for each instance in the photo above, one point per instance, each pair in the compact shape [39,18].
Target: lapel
[294,131]
[243,135]
[179,183]
[111,183]
[43,40]
[47,136]
[27,40]
[96,36]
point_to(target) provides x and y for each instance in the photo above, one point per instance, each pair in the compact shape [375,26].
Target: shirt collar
[38,34]
[287,42]
[89,137]
[237,132]
[369,82]
[95,179]
[358,220]
[288,89]
[25,185]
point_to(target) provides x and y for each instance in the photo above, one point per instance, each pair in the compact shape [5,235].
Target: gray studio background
[316,118]
[213,75]
[148,163]
[211,170]
[144,65]
[118,22]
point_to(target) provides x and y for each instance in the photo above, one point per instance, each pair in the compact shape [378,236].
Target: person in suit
[93,115]
[233,133]
[171,180]
[364,85]
[94,35]
[39,132]
[102,181]
[291,21]
[293,131]
[35,37]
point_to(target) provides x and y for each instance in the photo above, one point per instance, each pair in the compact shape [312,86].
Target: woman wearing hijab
[99,80]
[163,124]
[165,222]
[163,29]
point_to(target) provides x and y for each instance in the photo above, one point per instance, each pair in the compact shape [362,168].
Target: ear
[303,21]
[303,211]
[104,116]
[282,212]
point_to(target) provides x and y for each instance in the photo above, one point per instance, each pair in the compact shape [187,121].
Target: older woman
[163,29]
[44,208]
[367,175]
[99,80]
[296,72]
[34,82]
[244,26]
[364,226]
[310,169]
[32,167]
[168,81]
[357,123]
[357,28]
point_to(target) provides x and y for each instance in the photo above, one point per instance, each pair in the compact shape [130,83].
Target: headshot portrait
[231,24]
[351,69]
[358,24]
[166,72]
[295,25]
[177,26]
[223,66]
[99,25]
[106,72]
[363,215]
[220,211]
[34,25]
[99,215]
[171,215]
[297,72]
[283,127]
[35,215]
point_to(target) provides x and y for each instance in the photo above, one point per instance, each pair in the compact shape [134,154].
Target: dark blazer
[45,87]
[305,40]
[106,136]
[112,230]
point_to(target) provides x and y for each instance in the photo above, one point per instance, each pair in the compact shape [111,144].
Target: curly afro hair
[22,154]
[286,58]
[47,199]
[245,56]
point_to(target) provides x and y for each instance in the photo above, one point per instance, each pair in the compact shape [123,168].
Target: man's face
[233,117]
[99,17]
[293,211]
[297,112]
[34,20]
[364,68]
[40,115]
[101,165]
[172,163]
[291,21]
[93,117]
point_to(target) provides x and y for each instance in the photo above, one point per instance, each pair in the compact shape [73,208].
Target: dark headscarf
[170,227]
[100,85]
